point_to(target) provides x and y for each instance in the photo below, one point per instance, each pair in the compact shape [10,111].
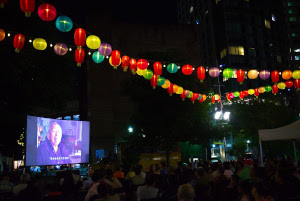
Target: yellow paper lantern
[175,88]
[180,90]
[204,97]
[115,67]
[2,34]
[39,44]
[141,72]
[252,74]
[261,90]
[93,42]
[251,91]
[166,85]
[296,74]
[281,85]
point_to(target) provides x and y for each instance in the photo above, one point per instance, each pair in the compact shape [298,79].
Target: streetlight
[130,129]
[248,142]
[220,116]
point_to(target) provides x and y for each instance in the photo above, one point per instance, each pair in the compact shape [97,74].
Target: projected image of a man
[52,151]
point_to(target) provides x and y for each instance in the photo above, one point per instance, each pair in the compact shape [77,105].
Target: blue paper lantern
[64,23]
[97,57]
[172,68]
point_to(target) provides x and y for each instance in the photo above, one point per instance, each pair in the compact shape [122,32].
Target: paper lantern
[175,88]
[60,49]
[268,88]
[125,63]
[116,58]
[47,12]
[289,84]
[240,75]
[281,85]
[190,94]
[79,37]
[170,89]
[241,95]
[27,6]
[214,72]
[200,97]
[2,34]
[201,73]
[141,72]
[297,84]
[142,64]
[148,74]
[231,95]
[157,67]
[160,81]
[187,93]
[287,74]
[236,94]
[79,56]
[228,97]
[213,99]
[264,74]
[64,24]
[93,42]
[275,76]
[105,49]
[256,93]
[187,69]
[274,89]
[2,3]
[153,81]
[115,64]
[97,57]
[246,93]
[166,84]
[182,95]
[251,91]
[261,90]
[172,68]
[132,65]
[180,90]
[39,44]
[228,73]
[217,98]
[296,74]
[252,74]
[204,97]
[195,97]
[19,41]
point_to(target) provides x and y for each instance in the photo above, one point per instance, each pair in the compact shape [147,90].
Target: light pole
[248,142]
[130,129]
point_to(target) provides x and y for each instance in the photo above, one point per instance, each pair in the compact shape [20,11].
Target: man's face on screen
[55,134]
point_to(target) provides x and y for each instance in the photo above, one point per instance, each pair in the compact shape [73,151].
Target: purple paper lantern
[264,74]
[60,49]
[214,72]
[105,49]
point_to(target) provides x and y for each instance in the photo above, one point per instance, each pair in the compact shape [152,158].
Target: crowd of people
[239,180]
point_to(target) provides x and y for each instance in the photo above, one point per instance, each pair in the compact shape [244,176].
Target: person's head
[226,165]
[186,192]
[179,164]
[5,178]
[118,169]
[163,164]
[259,189]
[155,167]
[244,187]
[109,173]
[221,170]
[151,179]
[189,166]
[90,173]
[234,180]
[98,175]
[200,172]
[25,178]
[104,190]
[54,134]
[137,170]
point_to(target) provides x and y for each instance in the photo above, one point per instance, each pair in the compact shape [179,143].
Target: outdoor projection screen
[56,142]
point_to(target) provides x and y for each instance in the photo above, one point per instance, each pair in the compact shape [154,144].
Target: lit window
[291,11]
[279,59]
[292,19]
[294,34]
[290,4]
[297,50]
[297,58]
[191,9]
[235,50]
[273,18]
[223,53]
[197,21]
[268,24]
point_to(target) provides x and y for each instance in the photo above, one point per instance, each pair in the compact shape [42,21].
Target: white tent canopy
[289,132]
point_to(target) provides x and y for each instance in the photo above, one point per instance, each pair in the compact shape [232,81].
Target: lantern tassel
[79,47]
[27,14]
[133,72]
[154,87]
[79,64]
[170,94]
[183,99]
[201,81]
[115,67]
[17,50]
[241,83]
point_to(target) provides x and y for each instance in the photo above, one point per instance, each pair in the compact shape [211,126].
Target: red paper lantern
[47,12]
[289,84]
[275,76]
[275,89]
[241,95]
[125,63]
[170,89]
[194,97]
[297,84]
[187,69]
[153,81]
[231,94]
[19,41]
[2,2]
[228,97]
[79,56]
[27,6]
[157,67]
[213,99]
[133,66]
[142,64]
[245,92]
[115,58]
[201,73]
[256,92]
[240,74]
[182,95]
[79,37]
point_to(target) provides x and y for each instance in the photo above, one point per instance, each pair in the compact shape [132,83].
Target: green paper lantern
[228,73]
[190,94]
[172,68]
[236,94]
[268,88]
[160,81]
[148,74]
[97,57]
